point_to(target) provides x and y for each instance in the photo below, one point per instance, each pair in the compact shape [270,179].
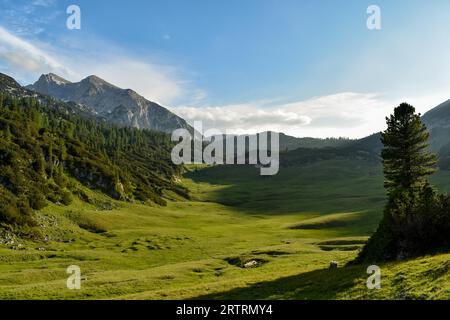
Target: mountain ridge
[437,119]
[123,107]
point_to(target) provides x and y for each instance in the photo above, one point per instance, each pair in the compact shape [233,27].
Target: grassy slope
[193,249]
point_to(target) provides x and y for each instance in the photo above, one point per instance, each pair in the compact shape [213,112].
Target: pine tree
[407,162]
[8,134]
[406,159]
[50,159]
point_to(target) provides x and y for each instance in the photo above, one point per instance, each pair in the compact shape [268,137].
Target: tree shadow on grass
[314,285]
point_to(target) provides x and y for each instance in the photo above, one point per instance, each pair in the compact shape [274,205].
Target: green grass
[195,249]
[419,279]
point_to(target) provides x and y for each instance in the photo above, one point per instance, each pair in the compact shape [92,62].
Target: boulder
[251,264]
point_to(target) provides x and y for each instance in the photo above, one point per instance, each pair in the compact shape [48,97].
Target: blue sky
[308,68]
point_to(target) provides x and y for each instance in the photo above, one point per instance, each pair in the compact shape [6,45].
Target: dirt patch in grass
[272,253]
[339,248]
[341,242]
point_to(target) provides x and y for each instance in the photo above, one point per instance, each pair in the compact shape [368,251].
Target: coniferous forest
[43,148]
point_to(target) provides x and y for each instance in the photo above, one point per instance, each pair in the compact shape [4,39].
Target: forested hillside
[44,148]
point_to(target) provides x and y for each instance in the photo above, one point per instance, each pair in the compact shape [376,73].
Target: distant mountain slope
[10,86]
[288,143]
[438,116]
[437,121]
[123,107]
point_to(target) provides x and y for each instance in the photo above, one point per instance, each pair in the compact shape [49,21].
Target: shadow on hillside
[314,285]
[328,187]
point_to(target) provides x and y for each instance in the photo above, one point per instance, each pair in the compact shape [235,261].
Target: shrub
[37,200]
[66,198]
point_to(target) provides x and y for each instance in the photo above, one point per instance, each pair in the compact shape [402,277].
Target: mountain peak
[53,78]
[123,107]
[7,79]
[8,84]
[97,81]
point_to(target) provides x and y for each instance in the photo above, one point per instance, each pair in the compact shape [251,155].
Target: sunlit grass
[189,249]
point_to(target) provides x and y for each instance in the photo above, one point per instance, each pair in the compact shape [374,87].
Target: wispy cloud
[347,114]
[156,83]
[22,56]
[26,18]
[26,60]
[244,118]
[43,3]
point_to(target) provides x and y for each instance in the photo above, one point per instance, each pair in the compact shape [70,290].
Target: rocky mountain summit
[123,107]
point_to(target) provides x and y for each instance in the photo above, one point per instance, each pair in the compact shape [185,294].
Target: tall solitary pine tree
[406,164]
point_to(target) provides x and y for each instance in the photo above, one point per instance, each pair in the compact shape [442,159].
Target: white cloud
[321,116]
[347,114]
[26,57]
[26,61]
[149,80]
[243,118]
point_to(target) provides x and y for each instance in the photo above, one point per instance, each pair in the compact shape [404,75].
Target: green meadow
[290,225]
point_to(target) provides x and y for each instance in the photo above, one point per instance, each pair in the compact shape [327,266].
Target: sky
[305,68]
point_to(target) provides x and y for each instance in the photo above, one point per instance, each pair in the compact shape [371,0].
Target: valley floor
[292,225]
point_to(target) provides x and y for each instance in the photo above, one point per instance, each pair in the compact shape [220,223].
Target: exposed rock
[251,264]
[123,107]
[7,237]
